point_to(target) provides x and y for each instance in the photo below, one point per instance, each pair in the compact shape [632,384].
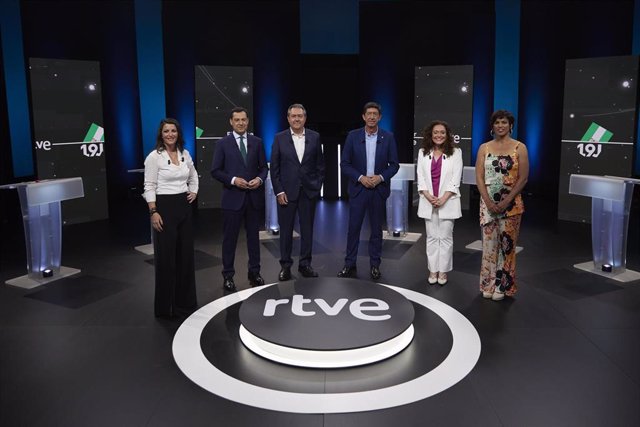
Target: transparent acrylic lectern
[271,224]
[610,204]
[398,205]
[40,205]
[147,248]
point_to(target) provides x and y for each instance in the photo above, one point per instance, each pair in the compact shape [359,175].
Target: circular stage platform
[326,323]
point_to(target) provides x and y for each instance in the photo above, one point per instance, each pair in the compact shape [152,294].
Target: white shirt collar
[366,132]
[295,134]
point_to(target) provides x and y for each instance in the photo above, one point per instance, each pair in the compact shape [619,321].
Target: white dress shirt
[298,142]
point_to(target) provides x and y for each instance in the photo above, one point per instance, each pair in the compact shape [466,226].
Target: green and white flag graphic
[597,133]
[199,132]
[94,134]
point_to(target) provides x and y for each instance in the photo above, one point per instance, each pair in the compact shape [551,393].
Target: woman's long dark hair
[427,139]
[179,141]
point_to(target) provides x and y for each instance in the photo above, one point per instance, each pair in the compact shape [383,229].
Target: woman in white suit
[439,175]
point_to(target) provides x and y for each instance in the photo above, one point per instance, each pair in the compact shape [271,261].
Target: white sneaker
[486,294]
[433,278]
[497,295]
[442,279]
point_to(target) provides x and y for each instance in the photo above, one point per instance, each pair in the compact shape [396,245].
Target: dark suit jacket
[227,163]
[354,160]
[288,174]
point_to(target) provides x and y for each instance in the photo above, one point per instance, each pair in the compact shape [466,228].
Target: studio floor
[88,351]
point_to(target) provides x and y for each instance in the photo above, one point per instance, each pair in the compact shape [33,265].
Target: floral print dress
[500,231]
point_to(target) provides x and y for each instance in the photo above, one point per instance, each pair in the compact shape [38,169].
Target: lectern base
[624,276]
[477,246]
[27,282]
[145,249]
[408,237]
[266,235]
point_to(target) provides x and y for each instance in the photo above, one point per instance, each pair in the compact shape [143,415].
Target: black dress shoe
[307,271]
[285,274]
[229,284]
[375,272]
[255,279]
[348,272]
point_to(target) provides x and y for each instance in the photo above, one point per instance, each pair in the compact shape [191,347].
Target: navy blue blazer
[354,160]
[227,163]
[288,174]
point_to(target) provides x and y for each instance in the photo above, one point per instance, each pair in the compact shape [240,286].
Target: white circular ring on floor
[464,354]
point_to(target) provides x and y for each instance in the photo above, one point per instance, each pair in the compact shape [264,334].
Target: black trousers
[251,217]
[306,209]
[173,256]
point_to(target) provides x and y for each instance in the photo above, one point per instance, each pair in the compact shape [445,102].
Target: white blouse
[161,176]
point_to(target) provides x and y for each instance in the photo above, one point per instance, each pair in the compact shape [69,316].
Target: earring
[491,133]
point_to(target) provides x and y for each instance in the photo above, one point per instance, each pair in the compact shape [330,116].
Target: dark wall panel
[397,36]
[100,31]
[263,34]
[551,33]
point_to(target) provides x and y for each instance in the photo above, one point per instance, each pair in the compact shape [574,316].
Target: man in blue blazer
[239,163]
[369,160]
[297,174]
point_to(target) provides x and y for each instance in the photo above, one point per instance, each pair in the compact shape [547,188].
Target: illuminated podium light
[326,359]
[42,219]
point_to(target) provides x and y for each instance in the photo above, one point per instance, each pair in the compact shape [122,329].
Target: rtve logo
[357,308]
[326,314]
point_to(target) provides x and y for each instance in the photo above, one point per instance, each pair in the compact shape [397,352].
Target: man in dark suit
[239,164]
[297,173]
[369,160]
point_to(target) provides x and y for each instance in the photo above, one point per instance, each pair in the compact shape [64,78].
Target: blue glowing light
[383,94]
[533,109]
[481,113]
[150,70]
[268,102]
[17,104]
[125,133]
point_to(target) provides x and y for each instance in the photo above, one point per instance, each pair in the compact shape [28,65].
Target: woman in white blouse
[439,175]
[170,186]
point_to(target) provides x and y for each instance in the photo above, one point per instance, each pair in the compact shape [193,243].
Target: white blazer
[450,177]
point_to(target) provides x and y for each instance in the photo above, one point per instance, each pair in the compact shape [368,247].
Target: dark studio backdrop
[393,37]
[551,33]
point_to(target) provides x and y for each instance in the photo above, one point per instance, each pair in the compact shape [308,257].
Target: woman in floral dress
[502,169]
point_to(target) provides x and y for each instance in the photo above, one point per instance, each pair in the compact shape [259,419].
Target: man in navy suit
[369,160]
[297,173]
[239,164]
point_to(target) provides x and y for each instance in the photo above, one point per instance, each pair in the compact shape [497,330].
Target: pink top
[436,168]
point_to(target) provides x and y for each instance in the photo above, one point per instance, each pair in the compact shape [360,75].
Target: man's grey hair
[300,106]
